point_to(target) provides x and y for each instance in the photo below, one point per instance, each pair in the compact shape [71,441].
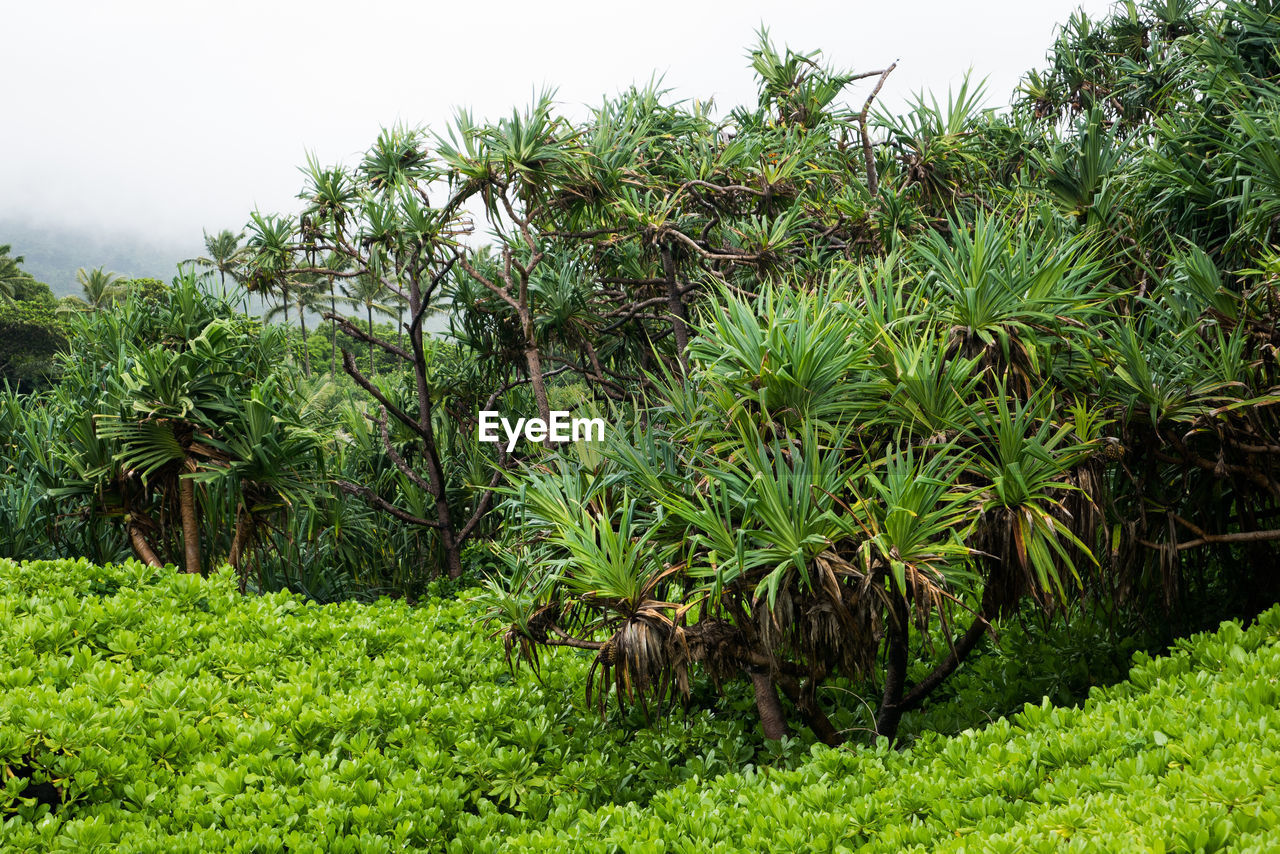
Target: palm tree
[11,274]
[367,291]
[337,263]
[100,288]
[304,295]
[223,254]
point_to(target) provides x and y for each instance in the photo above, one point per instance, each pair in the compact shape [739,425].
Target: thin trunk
[306,345]
[675,305]
[533,359]
[244,528]
[435,471]
[333,352]
[369,308]
[190,524]
[142,548]
[891,709]
[772,719]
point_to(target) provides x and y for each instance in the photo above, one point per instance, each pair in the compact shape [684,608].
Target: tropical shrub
[174,419]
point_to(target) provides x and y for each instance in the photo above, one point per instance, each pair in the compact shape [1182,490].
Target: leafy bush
[149,710]
[146,708]
[1182,757]
[31,333]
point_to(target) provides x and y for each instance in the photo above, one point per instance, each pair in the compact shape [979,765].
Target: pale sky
[163,118]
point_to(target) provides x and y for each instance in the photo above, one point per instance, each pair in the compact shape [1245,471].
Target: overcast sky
[163,118]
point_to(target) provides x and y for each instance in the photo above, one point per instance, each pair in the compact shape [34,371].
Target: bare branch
[345,324]
[395,455]
[349,365]
[868,157]
[383,504]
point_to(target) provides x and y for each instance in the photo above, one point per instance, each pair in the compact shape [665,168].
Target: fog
[159,119]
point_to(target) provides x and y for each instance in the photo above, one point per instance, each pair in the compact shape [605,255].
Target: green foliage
[1034,361]
[30,332]
[148,290]
[31,335]
[863,394]
[1034,657]
[1182,757]
[164,390]
[145,709]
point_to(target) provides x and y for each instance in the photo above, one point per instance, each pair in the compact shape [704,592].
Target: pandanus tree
[1056,378]
[376,223]
[512,166]
[882,392]
[192,413]
[645,206]
[821,489]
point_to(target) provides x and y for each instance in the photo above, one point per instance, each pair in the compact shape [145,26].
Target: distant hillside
[54,253]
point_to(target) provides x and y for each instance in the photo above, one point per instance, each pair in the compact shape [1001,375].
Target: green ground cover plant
[921,425]
[146,709]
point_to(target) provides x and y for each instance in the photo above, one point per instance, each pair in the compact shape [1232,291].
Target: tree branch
[868,157]
[368,495]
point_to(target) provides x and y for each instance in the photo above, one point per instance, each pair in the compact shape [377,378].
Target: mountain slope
[53,254]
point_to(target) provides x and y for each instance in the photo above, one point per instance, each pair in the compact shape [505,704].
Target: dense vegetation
[880,389]
[149,710]
[30,334]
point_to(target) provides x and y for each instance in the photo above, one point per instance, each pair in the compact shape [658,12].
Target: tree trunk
[244,528]
[369,308]
[891,709]
[675,305]
[534,361]
[806,702]
[772,720]
[452,558]
[333,351]
[959,652]
[190,524]
[142,548]
[306,345]
[431,455]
